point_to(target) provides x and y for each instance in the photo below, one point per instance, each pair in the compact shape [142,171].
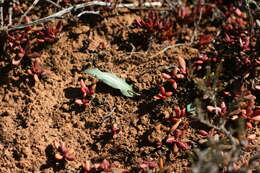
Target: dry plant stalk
[62,12]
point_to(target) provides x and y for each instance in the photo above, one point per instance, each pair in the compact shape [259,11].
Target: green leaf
[112,80]
[190,108]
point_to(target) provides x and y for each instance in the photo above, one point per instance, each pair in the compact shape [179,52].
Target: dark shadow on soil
[196,124]
[149,104]
[135,41]
[105,89]
[103,139]
[123,155]
[72,93]
[4,74]
[123,44]
[7,71]
[91,19]
[92,125]
[143,140]
[51,162]
[139,41]
[148,107]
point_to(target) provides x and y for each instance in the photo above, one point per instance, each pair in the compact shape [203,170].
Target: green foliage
[112,80]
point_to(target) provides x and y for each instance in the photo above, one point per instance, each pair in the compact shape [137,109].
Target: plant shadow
[51,162]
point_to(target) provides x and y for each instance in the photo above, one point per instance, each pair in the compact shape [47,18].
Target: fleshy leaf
[191,109]
[112,80]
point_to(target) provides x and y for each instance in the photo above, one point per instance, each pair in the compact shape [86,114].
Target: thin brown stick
[10,12]
[83,5]
[88,12]
[169,47]
[251,19]
[196,24]
[54,3]
[2,14]
[28,10]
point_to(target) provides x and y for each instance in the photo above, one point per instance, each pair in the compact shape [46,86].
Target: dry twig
[2,14]
[28,10]
[80,6]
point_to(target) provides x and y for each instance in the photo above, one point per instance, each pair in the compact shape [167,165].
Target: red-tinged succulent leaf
[96,166]
[227,93]
[180,76]
[199,68]
[168,94]
[178,133]
[70,157]
[250,97]
[205,39]
[175,71]
[92,89]
[238,12]
[36,29]
[152,164]
[37,67]
[223,107]
[49,39]
[171,140]
[105,164]
[16,62]
[249,125]
[184,12]
[138,23]
[40,40]
[174,83]
[257,87]
[87,165]
[211,108]
[21,55]
[183,112]
[63,148]
[203,132]
[241,42]
[18,42]
[182,64]
[85,102]
[235,112]
[198,62]
[79,101]
[257,112]
[249,111]
[218,110]
[84,88]
[143,166]
[174,119]
[256,118]
[166,76]
[183,146]
[177,111]
[228,39]
[158,97]
[175,126]
[59,26]
[12,38]
[58,156]
[162,90]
